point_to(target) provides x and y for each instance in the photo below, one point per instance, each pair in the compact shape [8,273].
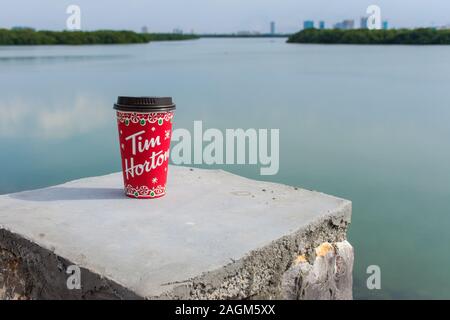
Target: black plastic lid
[144,104]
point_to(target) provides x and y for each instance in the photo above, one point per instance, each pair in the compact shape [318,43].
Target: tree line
[422,36]
[32,37]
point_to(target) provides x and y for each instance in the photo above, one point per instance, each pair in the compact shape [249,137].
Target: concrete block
[214,235]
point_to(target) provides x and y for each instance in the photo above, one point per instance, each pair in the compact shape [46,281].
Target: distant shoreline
[32,37]
[423,36]
[236,35]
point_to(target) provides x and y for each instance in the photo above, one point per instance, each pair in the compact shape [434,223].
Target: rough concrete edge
[42,273]
[258,275]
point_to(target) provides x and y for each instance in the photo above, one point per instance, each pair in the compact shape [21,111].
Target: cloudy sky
[206,16]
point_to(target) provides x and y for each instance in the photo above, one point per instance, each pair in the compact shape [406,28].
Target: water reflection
[25,118]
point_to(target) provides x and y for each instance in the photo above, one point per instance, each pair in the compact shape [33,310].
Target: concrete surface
[214,235]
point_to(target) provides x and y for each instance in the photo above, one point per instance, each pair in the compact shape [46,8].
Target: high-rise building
[308,24]
[348,24]
[144,29]
[321,25]
[363,24]
[177,31]
[272,27]
[345,25]
[385,25]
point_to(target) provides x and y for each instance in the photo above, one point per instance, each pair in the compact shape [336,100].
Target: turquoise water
[367,123]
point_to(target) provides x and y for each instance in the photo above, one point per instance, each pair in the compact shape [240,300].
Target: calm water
[370,124]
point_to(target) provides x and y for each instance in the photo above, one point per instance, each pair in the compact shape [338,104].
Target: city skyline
[220,16]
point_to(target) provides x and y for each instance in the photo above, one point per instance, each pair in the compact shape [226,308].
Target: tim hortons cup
[145,130]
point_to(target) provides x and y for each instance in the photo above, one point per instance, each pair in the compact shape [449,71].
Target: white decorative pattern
[144,118]
[144,191]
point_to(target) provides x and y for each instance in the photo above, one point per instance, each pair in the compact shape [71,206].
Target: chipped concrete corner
[327,276]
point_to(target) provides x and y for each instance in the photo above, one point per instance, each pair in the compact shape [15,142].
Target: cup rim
[121,107]
[144,103]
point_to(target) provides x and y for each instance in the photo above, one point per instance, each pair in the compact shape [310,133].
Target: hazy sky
[216,15]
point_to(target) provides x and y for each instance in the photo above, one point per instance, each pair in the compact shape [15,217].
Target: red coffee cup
[145,130]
